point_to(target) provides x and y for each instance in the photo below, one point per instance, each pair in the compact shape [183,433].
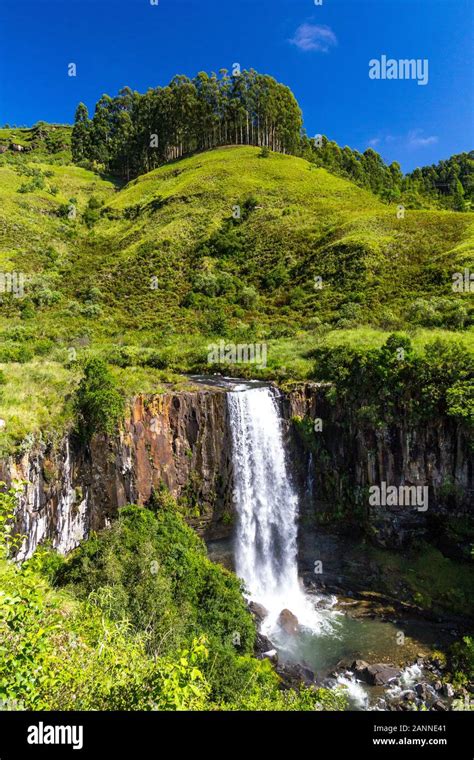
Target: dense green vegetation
[425,577]
[461,661]
[136,619]
[450,182]
[146,277]
[98,403]
[393,382]
[53,141]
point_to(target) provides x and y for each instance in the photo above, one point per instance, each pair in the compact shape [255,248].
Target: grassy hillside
[149,274]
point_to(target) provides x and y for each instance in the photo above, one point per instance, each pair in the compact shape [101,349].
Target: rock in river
[258,611]
[375,675]
[288,622]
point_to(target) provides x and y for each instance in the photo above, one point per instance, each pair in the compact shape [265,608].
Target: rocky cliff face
[53,500]
[337,464]
[182,440]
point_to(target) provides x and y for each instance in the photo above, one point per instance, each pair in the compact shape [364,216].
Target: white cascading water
[267,509]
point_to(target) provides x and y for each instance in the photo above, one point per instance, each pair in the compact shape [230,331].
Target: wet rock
[448,690]
[258,611]
[262,644]
[294,675]
[437,686]
[343,665]
[359,665]
[422,691]
[439,706]
[378,674]
[288,622]
[271,655]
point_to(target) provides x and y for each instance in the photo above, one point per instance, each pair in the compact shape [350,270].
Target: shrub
[461,660]
[92,212]
[249,297]
[460,400]
[450,313]
[393,381]
[98,404]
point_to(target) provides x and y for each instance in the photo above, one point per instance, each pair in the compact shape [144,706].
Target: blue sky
[321,52]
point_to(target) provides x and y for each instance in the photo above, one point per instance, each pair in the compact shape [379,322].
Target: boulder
[378,674]
[422,691]
[258,611]
[288,622]
[271,655]
[293,675]
[262,644]
[359,665]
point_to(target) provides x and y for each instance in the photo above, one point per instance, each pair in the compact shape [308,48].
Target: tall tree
[80,138]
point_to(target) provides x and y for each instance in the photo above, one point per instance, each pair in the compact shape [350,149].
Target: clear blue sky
[321,52]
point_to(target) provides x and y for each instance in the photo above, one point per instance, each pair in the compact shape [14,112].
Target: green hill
[224,244]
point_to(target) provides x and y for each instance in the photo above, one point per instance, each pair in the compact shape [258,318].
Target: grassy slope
[91,289]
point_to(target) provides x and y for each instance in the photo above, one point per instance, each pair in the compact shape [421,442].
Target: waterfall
[267,508]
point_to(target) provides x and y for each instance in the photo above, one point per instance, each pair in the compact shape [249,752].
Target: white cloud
[413,140]
[416,139]
[310,37]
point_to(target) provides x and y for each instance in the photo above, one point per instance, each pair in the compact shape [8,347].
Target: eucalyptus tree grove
[134,133]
